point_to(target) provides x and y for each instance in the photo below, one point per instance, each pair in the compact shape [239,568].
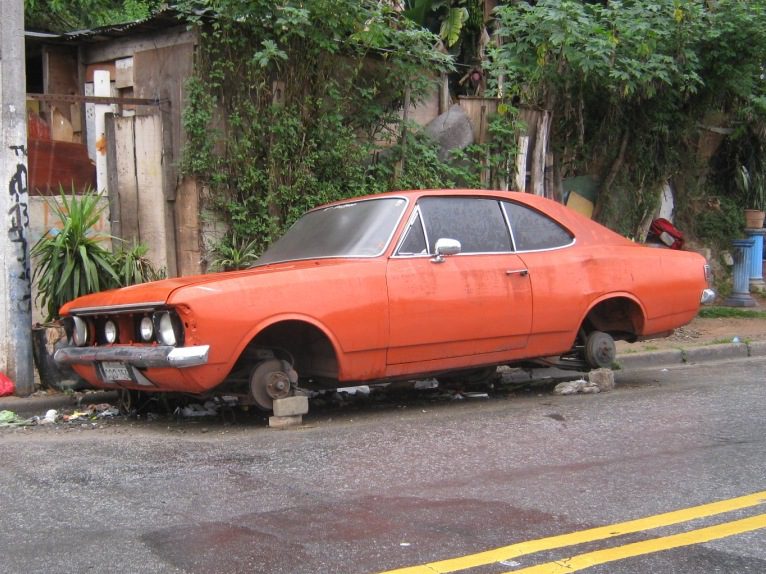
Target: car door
[478,302]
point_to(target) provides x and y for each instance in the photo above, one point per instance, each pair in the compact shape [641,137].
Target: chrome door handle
[522,272]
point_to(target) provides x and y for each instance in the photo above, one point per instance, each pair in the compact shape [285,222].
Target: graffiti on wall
[18,230]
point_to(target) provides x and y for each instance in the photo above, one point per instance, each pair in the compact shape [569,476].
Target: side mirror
[445,246]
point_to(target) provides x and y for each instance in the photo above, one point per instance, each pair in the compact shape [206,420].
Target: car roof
[578,224]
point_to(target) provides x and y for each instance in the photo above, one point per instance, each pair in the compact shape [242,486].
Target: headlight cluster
[163,327]
[169,328]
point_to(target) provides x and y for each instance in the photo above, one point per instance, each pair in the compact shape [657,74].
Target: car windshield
[358,229]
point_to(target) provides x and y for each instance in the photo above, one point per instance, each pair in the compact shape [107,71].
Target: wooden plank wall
[136,187]
[162,73]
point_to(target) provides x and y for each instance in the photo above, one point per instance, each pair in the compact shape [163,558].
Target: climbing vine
[291,103]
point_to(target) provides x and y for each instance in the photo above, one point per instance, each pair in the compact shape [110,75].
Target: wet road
[382,485]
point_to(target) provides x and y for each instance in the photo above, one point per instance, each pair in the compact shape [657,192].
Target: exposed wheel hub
[277,385]
[600,350]
[272,379]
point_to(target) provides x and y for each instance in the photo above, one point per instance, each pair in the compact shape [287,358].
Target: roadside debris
[598,381]
[11,419]
[575,387]
[7,387]
[208,409]
[50,417]
[100,411]
[83,414]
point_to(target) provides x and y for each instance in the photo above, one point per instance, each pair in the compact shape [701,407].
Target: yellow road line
[582,561]
[590,535]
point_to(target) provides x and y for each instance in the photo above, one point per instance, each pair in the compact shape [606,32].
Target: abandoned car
[397,286]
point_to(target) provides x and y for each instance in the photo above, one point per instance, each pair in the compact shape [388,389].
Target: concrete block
[291,406]
[281,423]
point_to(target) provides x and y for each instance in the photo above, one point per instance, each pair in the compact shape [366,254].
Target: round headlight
[110,331]
[165,332]
[79,332]
[146,329]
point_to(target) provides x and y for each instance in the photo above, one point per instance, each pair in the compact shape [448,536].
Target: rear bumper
[141,357]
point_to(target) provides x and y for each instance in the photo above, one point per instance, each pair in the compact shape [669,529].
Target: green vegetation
[730,312]
[233,253]
[72,261]
[297,105]
[635,88]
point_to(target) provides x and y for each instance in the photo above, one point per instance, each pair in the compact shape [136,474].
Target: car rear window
[533,230]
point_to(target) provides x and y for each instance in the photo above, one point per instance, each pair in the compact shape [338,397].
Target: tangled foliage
[290,102]
[630,83]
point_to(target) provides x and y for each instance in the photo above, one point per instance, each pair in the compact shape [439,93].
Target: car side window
[414,242]
[477,223]
[533,230]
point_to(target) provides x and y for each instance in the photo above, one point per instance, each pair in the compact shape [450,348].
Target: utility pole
[15,278]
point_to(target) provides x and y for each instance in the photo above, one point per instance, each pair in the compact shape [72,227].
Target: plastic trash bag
[7,387]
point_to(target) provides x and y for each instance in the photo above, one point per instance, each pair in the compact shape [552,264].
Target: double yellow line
[586,560]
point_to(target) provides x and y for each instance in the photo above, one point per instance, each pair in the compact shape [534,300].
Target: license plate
[114,371]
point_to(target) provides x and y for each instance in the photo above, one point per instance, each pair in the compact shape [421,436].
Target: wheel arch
[619,314]
[313,347]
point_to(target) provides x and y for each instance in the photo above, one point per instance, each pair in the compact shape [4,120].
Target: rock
[602,378]
[452,130]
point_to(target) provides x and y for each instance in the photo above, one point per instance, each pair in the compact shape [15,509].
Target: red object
[667,233]
[7,387]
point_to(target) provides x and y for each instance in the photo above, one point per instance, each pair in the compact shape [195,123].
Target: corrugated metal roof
[168,16]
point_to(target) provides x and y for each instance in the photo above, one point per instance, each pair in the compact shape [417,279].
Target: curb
[721,352]
[646,359]
[757,349]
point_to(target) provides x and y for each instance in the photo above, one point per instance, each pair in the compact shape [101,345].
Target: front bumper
[141,357]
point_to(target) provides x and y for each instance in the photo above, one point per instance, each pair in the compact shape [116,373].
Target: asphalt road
[406,481]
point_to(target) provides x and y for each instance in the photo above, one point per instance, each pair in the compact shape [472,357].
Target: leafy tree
[630,82]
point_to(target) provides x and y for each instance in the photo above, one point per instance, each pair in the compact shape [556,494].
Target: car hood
[158,293]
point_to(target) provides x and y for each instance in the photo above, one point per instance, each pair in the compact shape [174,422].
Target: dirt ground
[702,332]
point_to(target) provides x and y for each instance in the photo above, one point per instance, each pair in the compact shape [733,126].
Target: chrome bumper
[141,357]
[707,297]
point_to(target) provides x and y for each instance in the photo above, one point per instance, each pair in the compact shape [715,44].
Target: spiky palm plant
[69,259]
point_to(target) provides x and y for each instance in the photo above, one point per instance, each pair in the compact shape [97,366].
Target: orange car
[402,285]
